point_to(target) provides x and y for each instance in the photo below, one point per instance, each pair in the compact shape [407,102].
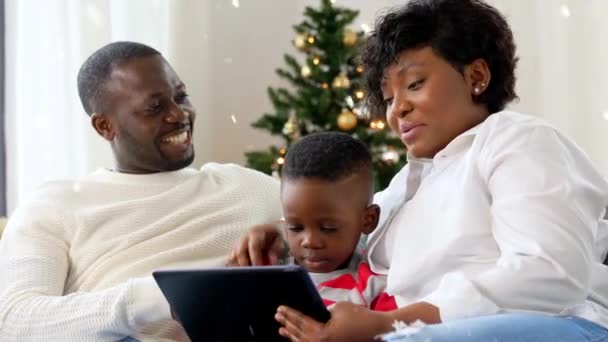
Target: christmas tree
[327,95]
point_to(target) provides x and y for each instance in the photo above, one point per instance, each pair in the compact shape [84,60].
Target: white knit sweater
[76,259]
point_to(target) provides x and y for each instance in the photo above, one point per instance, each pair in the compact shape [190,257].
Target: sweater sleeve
[34,263]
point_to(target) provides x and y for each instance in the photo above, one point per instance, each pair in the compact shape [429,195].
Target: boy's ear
[103,125]
[370,221]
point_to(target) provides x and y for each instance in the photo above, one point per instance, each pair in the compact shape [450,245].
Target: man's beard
[152,161]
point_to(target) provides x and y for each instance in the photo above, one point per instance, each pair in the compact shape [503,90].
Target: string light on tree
[347,120]
[349,101]
[359,68]
[300,41]
[366,28]
[280,160]
[359,94]
[311,39]
[361,112]
[341,81]
[305,71]
[390,156]
[316,60]
[377,125]
[291,126]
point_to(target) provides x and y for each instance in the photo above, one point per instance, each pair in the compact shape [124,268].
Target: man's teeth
[177,139]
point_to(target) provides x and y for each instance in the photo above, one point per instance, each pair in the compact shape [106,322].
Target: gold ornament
[300,41]
[377,125]
[347,120]
[282,151]
[324,85]
[350,37]
[305,71]
[291,126]
[341,81]
[359,68]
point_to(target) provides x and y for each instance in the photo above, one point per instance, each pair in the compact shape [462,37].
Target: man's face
[149,117]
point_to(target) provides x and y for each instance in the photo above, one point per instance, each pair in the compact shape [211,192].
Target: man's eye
[154,109]
[181,98]
[388,101]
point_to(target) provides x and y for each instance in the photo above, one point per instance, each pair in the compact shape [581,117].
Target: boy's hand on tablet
[262,245]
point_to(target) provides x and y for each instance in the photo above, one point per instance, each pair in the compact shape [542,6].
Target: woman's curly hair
[459,31]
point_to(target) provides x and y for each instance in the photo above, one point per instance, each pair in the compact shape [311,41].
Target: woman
[495,229]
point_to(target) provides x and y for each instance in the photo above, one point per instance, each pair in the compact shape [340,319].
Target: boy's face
[324,220]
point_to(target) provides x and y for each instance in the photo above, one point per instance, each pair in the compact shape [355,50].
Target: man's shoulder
[230,170]
[56,191]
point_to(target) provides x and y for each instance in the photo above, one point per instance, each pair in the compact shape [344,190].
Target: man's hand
[349,322]
[262,245]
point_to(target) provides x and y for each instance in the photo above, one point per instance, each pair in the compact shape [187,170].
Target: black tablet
[238,303]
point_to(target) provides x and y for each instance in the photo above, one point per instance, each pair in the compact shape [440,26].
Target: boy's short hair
[327,156]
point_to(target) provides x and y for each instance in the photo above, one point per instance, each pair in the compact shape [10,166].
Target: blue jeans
[512,328]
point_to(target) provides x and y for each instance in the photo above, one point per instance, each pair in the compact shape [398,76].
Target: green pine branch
[312,98]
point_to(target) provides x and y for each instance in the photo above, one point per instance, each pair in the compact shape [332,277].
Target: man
[76,259]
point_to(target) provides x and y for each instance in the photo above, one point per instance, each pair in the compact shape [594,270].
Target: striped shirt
[356,284]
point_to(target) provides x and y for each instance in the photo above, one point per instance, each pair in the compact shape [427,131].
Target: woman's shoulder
[511,122]
[510,138]
[509,130]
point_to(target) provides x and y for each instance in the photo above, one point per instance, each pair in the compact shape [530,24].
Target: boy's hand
[262,245]
[349,322]
[232,260]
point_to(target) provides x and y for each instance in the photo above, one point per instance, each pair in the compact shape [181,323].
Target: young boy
[326,194]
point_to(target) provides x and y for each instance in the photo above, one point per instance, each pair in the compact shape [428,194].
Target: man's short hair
[327,156]
[97,69]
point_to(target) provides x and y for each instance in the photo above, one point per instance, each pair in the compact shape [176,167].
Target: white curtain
[226,52]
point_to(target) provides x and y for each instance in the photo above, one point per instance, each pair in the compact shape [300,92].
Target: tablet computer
[238,303]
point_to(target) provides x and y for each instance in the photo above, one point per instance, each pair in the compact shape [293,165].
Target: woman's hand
[349,322]
[262,245]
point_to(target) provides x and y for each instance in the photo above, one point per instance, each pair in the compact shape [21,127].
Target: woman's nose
[400,108]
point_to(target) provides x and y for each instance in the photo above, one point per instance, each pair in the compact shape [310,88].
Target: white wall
[227,56]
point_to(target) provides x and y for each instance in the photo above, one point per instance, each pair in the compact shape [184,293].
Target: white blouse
[509,217]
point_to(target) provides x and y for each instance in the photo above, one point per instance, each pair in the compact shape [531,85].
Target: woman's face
[429,103]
